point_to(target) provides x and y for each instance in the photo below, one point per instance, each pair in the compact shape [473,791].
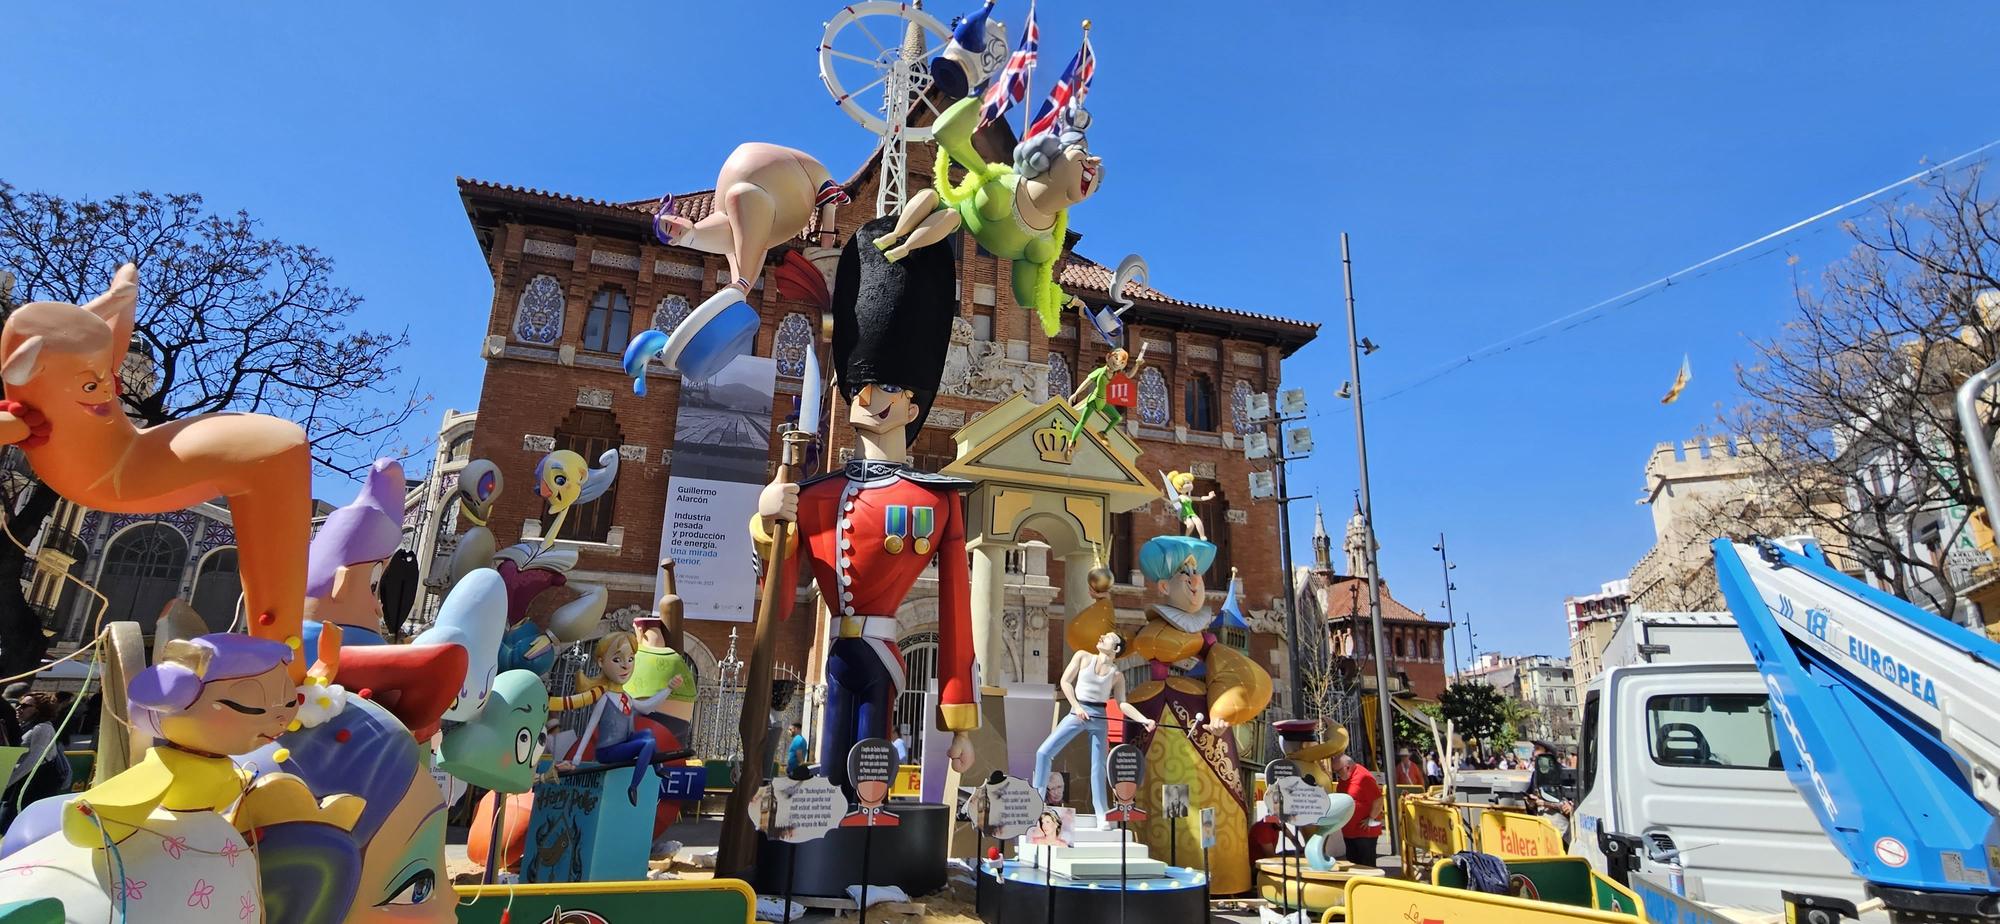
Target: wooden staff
[670,609]
[736,856]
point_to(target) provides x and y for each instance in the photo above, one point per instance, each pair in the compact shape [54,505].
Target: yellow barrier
[1431,827]
[1395,901]
[707,900]
[909,782]
[1514,835]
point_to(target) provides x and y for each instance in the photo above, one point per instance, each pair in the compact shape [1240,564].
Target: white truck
[1678,748]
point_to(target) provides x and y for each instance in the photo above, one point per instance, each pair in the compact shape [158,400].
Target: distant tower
[1356,544]
[1322,543]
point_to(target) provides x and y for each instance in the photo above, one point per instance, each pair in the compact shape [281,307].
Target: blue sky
[1497,165]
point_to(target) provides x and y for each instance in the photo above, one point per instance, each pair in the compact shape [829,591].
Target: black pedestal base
[1028,898]
[910,856]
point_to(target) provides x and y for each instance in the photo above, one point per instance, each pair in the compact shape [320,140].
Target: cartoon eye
[524,746]
[415,890]
[561,480]
[89,387]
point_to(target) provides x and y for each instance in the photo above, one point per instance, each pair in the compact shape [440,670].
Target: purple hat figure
[345,562]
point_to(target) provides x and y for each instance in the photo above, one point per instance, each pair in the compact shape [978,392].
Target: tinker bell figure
[1019,212]
[1180,493]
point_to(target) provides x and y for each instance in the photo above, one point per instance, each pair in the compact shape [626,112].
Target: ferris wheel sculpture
[874,59]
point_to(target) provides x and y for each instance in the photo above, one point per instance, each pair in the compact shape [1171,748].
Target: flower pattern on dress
[130,889]
[538,316]
[249,909]
[230,851]
[1059,381]
[199,898]
[789,348]
[1153,407]
[173,846]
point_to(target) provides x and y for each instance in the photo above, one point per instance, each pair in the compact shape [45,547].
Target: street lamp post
[1451,621]
[1384,716]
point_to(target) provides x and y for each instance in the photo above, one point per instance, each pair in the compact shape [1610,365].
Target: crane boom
[1889,725]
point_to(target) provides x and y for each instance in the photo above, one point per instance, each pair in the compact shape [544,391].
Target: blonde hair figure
[617,737]
[1180,486]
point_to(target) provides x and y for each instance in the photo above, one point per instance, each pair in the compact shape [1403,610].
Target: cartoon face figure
[871,793]
[1117,359]
[1183,482]
[402,879]
[881,409]
[498,748]
[616,660]
[356,599]
[1076,175]
[1184,589]
[1122,792]
[559,479]
[235,716]
[1109,644]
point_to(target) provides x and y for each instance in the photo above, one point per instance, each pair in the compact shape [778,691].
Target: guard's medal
[895,524]
[924,525]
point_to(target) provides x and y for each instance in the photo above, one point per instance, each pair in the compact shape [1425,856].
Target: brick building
[574,277]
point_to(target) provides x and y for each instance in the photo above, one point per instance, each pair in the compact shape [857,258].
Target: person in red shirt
[1363,832]
[1408,773]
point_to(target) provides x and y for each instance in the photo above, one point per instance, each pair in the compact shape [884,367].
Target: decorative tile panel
[533,443]
[538,315]
[631,452]
[677,270]
[548,249]
[1059,380]
[594,397]
[795,334]
[624,261]
[1153,407]
[1197,351]
[1248,359]
[1203,470]
[1239,408]
[945,418]
[1159,347]
[672,310]
[1237,516]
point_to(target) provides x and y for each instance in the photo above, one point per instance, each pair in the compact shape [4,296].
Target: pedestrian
[10,728]
[795,754]
[1433,773]
[42,771]
[1363,832]
[902,746]
[1545,789]
[1408,772]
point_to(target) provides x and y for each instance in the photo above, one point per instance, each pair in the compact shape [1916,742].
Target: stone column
[989,603]
[1076,585]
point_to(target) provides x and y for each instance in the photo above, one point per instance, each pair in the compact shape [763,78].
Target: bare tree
[1858,388]
[229,319]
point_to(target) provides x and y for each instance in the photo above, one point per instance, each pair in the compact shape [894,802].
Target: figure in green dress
[1180,494]
[1020,212]
[1106,392]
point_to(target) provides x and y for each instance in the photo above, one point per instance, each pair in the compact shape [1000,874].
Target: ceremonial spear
[736,856]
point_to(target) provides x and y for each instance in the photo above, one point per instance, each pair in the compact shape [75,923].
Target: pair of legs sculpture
[1098,725]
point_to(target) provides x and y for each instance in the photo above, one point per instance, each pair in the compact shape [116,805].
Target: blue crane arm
[1889,719]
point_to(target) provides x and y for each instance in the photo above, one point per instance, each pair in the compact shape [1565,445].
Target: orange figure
[61,362]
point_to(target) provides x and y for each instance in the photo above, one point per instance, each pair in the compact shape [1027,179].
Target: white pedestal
[1094,855]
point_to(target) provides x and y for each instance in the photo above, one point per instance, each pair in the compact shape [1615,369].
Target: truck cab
[1679,748]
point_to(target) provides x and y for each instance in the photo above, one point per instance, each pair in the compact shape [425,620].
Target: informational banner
[797,810]
[1005,809]
[722,447]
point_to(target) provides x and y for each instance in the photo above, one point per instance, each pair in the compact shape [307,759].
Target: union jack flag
[1070,89]
[1011,86]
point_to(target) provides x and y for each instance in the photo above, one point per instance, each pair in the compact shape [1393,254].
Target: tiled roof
[1080,274]
[1346,595]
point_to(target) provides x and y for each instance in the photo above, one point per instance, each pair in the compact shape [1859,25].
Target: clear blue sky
[1496,164]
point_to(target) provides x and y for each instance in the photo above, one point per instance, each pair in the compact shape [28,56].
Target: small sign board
[1174,800]
[683,784]
[1207,827]
[796,811]
[1128,769]
[1004,809]
[871,769]
[1297,802]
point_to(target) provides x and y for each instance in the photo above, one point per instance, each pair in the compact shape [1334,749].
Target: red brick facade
[531,389]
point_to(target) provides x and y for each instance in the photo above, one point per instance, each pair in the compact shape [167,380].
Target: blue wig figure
[1199,687]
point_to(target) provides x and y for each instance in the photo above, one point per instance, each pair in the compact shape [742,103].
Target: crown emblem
[1053,444]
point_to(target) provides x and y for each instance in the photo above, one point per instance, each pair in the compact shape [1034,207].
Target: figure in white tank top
[1090,682]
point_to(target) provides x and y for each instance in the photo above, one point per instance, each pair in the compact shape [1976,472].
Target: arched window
[142,571]
[216,588]
[588,432]
[538,316]
[459,450]
[789,348]
[1198,399]
[1153,406]
[608,325]
[1059,381]
[672,311]
[1239,403]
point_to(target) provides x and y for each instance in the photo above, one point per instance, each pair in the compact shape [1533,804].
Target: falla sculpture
[60,363]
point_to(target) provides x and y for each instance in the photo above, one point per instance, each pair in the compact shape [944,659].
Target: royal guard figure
[871,527]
